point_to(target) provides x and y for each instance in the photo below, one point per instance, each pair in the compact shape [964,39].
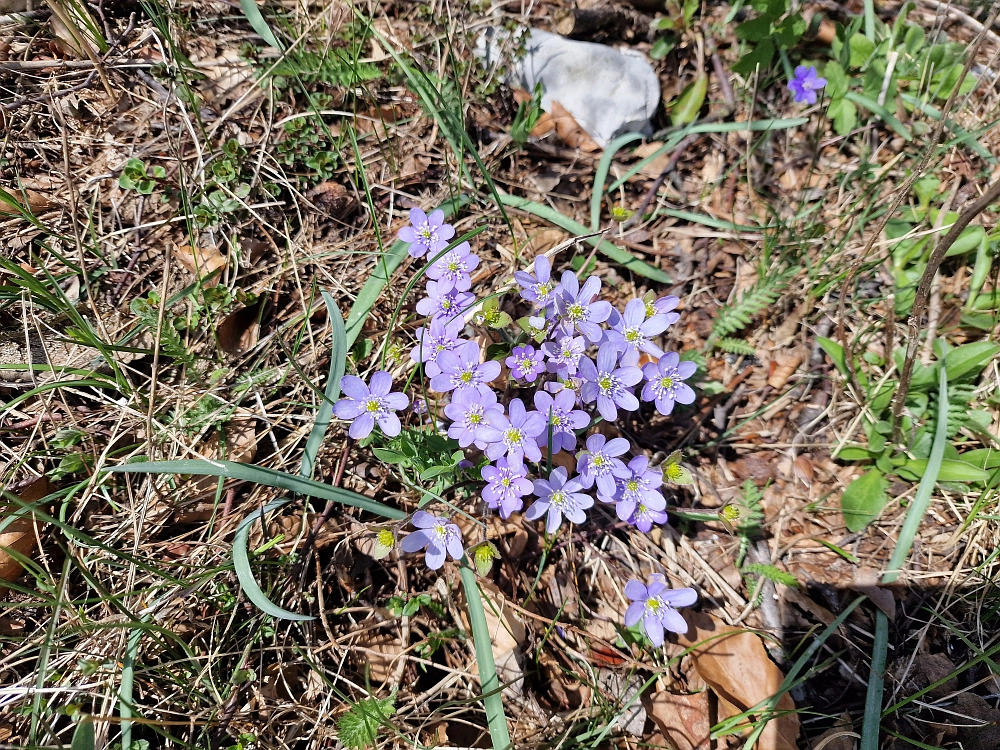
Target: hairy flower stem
[923,292]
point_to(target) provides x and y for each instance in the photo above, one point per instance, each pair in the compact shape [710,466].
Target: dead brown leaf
[682,719]
[378,654]
[19,536]
[33,200]
[655,168]
[782,368]
[238,332]
[867,581]
[735,664]
[569,130]
[202,262]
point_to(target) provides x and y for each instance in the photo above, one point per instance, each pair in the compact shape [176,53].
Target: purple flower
[631,333]
[662,306]
[654,604]
[462,369]
[426,233]
[540,288]
[559,496]
[639,487]
[437,536]
[599,464]
[453,269]
[564,355]
[506,485]
[805,83]
[565,384]
[434,339]
[559,414]
[577,308]
[608,384]
[470,410]
[366,406]
[525,363]
[442,302]
[665,382]
[516,437]
[644,517]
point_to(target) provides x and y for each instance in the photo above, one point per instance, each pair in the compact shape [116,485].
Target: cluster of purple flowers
[567,321]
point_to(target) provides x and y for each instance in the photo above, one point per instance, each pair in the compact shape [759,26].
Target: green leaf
[261,475]
[358,728]
[863,500]
[772,573]
[967,241]
[690,102]
[836,354]
[837,82]
[790,30]
[862,48]
[760,56]
[662,46]
[83,735]
[338,362]
[755,29]
[951,470]
[969,358]
[390,456]
[853,453]
[844,115]
[873,106]
[241,563]
[256,19]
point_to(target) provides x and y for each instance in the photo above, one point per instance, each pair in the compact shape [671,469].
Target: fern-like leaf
[736,346]
[358,728]
[754,301]
[771,573]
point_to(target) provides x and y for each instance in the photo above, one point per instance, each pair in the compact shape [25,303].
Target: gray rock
[608,91]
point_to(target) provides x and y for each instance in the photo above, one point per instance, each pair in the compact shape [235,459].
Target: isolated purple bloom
[564,419]
[452,270]
[644,517]
[470,410]
[599,464]
[805,83]
[578,308]
[506,485]
[437,536]
[631,333]
[426,233]
[559,496]
[564,355]
[516,437]
[368,405]
[608,384]
[525,363]
[665,382]
[639,487]
[462,369]
[655,606]
[444,302]
[538,288]
[439,336]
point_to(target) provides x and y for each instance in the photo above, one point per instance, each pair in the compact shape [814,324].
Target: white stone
[608,91]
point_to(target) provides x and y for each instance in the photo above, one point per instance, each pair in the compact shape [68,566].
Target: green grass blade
[126,684]
[256,19]
[710,221]
[488,680]
[241,562]
[83,735]
[338,361]
[904,543]
[261,475]
[601,176]
[622,257]
[961,134]
[380,276]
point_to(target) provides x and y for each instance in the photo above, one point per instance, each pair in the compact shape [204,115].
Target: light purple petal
[627,401]
[600,311]
[590,289]
[435,556]
[362,427]
[686,369]
[635,590]
[489,371]
[554,521]
[652,626]
[684,394]
[424,520]
[348,408]
[415,541]
[634,613]
[680,597]
[606,406]
[673,621]
[381,383]
[607,357]
[390,424]
[616,446]
[406,234]
[354,387]
[455,548]
[537,510]
[396,401]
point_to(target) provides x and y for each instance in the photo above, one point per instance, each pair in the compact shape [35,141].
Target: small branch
[923,293]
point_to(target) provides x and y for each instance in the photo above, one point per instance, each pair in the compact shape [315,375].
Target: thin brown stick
[923,292]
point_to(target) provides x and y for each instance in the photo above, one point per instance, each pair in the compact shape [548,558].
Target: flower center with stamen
[440,531]
[475,418]
[513,436]
[556,420]
[558,499]
[650,310]
[654,605]
[425,232]
[632,335]
[598,461]
[667,383]
[632,485]
[543,288]
[446,303]
[674,472]
[576,312]
[505,481]
[525,363]
[606,383]
[453,266]
[374,405]
[466,377]
[385,538]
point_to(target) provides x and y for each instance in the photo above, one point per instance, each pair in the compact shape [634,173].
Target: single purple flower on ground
[564,355]
[805,83]
[437,536]
[525,363]
[538,288]
[654,604]
[506,485]
[665,382]
[516,437]
[453,269]
[607,384]
[564,419]
[368,405]
[559,496]
[426,233]
[579,310]
[439,336]
[631,333]
[639,487]
[599,463]
[444,303]
[470,410]
[645,517]
[462,369]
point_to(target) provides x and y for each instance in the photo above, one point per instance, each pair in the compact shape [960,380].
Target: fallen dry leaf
[33,200]
[238,331]
[782,368]
[682,719]
[378,654]
[201,261]
[867,581]
[569,130]
[19,536]
[655,168]
[735,665]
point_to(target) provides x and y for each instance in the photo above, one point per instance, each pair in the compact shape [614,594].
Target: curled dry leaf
[735,665]
[33,200]
[201,261]
[782,368]
[19,536]
[378,653]
[238,332]
[569,130]
[681,719]
[867,581]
